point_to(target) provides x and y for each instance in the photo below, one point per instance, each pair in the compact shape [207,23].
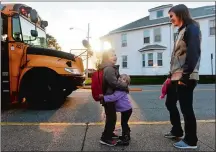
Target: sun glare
[96,46]
[107,45]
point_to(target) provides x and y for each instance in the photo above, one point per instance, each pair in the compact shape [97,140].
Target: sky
[102,16]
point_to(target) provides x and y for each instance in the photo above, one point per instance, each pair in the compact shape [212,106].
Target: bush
[140,80]
[88,81]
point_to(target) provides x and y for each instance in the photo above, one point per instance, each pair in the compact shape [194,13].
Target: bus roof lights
[25,10]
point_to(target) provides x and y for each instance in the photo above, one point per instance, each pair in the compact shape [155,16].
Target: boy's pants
[125,116]
[110,111]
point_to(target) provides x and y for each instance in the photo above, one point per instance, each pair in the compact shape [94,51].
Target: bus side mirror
[34,33]
[34,16]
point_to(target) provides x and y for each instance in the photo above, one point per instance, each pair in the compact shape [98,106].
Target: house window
[124,40]
[157,35]
[159,13]
[160,59]
[212,27]
[150,59]
[143,60]
[146,36]
[124,61]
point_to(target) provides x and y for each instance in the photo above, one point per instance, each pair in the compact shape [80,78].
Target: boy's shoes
[171,136]
[108,142]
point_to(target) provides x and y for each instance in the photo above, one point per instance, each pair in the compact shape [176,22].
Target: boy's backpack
[96,85]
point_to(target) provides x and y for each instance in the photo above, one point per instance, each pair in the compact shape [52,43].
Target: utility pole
[87,51]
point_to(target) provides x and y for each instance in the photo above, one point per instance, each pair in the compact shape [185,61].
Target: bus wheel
[68,91]
[43,91]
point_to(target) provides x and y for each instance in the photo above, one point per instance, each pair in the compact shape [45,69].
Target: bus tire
[68,91]
[42,90]
[68,86]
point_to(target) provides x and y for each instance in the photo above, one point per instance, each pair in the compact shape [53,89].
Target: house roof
[195,13]
[152,47]
[160,7]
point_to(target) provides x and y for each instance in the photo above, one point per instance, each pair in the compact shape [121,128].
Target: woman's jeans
[185,96]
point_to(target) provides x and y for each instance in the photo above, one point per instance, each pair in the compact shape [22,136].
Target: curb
[92,123]
[130,89]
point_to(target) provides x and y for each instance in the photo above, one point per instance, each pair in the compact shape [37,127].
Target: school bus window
[27,26]
[2,23]
[41,38]
[3,28]
[17,35]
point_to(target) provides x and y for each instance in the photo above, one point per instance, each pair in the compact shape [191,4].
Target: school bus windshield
[22,32]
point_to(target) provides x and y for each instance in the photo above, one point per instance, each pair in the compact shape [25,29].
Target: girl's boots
[124,139]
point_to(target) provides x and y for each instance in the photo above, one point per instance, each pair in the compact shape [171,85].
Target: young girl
[110,84]
[122,105]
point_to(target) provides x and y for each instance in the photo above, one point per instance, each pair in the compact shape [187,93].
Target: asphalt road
[81,108]
[78,124]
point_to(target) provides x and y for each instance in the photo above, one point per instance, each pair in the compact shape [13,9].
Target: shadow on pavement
[42,138]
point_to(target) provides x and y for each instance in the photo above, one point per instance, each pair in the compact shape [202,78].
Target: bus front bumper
[76,81]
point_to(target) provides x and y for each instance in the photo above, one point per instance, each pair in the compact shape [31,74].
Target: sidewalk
[86,138]
[150,138]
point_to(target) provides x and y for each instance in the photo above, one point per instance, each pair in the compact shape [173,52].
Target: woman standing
[184,75]
[110,84]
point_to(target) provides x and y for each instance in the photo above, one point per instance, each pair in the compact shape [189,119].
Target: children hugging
[111,89]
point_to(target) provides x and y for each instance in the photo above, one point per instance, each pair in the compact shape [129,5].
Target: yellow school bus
[30,71]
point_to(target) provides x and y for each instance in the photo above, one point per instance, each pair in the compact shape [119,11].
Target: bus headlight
[73,71]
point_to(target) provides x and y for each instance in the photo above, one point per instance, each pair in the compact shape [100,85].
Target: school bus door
[5,75]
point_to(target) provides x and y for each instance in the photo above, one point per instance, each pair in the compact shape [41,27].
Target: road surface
[78,124]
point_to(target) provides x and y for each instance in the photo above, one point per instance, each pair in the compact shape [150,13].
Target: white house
[144,46]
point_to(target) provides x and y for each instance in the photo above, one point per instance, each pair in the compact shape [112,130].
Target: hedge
[141,80]
[88,81]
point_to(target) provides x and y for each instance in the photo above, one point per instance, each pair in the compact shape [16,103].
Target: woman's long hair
[182,12]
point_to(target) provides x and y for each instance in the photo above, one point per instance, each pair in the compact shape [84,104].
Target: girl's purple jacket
[122,101]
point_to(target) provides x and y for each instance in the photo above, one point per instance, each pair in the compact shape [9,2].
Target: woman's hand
[184,79]
[181,83]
